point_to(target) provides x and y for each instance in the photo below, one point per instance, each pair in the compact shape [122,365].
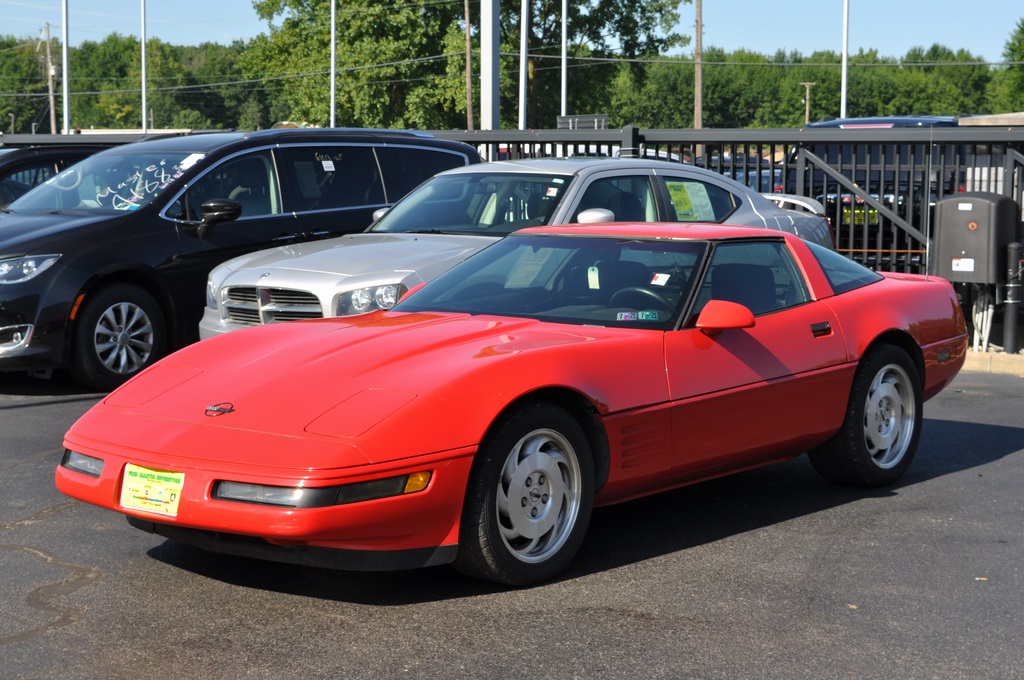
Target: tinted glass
[843,274]
[248,179]
[630,199]
[760,275]
[109,182]
[487,204]
[332,177]
[567,279]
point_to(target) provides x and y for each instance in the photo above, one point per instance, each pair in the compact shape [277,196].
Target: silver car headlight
[19,269]
[369,299]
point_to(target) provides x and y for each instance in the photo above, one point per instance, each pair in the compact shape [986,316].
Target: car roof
[574,165]
[886,122]
[657,230]
[208,142]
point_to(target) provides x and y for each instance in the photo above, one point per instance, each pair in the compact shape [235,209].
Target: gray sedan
[460,211]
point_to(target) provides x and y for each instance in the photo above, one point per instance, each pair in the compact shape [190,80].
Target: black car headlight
[19,269]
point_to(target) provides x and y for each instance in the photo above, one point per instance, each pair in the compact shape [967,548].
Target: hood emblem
[219,409]
[264,275]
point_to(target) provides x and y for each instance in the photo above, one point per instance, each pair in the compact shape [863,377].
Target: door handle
[820,330]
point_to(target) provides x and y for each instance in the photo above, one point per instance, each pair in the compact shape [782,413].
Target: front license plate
[151,490]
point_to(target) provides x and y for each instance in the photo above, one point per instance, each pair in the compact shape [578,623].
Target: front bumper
[396,532]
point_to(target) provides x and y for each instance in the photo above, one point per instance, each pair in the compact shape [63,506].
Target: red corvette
[481,420]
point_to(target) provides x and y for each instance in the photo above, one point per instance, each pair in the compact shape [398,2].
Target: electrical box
[972,231]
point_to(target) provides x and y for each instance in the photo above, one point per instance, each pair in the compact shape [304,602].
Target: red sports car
[480,420]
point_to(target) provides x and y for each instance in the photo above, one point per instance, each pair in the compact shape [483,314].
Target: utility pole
[807,101]
[49,83]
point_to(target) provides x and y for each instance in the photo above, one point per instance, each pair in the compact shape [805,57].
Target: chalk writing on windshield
[140,186]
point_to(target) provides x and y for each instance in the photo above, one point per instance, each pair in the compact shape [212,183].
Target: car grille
[254,306]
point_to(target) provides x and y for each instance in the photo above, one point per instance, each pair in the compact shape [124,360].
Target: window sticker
[660,280]
[191,160]
[637,316]
[328,166]
[691,201]
[551,192]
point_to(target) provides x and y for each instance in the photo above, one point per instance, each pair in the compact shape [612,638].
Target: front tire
[882,427]
[529,498]
[120,331]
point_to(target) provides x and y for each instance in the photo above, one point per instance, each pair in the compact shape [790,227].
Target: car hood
[347,392]
[29,232]
[363,254]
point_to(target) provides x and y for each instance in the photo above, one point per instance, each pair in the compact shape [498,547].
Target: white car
[460,211]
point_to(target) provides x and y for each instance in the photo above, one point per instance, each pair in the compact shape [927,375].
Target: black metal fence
[879,186]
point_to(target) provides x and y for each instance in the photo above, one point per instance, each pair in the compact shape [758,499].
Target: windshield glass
[570,279]
[487,204]
[108,182]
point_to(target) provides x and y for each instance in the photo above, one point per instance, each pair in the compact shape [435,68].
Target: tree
[1007,90]
[20,73]
[403,65]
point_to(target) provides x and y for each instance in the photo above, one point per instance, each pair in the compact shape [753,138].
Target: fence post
[631,141]
[1012,303]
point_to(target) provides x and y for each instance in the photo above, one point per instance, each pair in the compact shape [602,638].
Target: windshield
[491,204]
[570,279]
[108,182]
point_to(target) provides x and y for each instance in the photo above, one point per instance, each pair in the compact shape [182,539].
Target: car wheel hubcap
[889,416]
[124,338]
[538,497]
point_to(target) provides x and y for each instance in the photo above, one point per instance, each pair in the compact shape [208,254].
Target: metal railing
[879,186]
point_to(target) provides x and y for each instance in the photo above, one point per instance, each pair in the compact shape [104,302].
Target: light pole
[807,101]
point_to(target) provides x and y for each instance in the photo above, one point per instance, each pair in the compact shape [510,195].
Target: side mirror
[720,315]
[594,215]
[218,210]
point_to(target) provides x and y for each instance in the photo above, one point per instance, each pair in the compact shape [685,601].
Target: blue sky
[890,26]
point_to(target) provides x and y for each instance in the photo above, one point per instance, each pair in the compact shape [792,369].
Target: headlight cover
[369,299]
[20,269]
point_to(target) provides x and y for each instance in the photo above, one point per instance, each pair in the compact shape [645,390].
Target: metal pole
[64,67]
[846,59]
[524,28]
[334,60]
[565,54]
[489,48]
[144,113]
[49,83]
[1011,306]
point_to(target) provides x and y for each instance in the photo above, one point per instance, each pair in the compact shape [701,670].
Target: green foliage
[403,65]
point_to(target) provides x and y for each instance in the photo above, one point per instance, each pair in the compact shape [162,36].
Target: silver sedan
[460,211]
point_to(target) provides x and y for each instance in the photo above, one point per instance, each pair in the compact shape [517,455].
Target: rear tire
[882,427]
[120,331]
[529,498]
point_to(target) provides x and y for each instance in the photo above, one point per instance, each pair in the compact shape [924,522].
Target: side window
[248,179]
[696,201]
[629,198]
[33,175]
[760,275]
[406,167]
[331,177]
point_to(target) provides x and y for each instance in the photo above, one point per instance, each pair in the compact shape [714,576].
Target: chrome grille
[253,306]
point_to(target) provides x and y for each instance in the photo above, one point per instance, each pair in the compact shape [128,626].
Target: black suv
[103,267]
